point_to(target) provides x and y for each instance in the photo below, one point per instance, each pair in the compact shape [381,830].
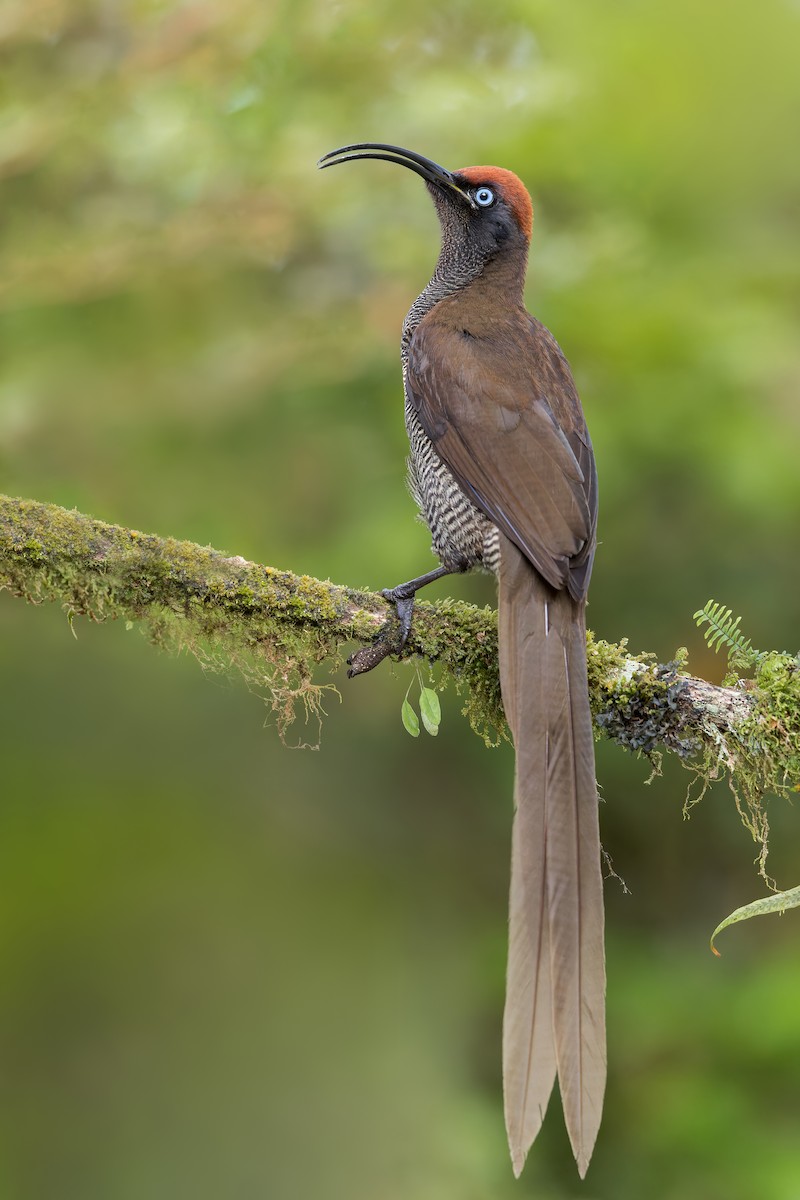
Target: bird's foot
[393,635]
[390,639]
[403,600]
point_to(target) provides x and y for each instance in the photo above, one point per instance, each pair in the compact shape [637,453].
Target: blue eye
[484,196]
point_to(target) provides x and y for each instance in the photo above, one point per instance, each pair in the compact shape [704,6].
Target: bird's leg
[388,640]
[402,597]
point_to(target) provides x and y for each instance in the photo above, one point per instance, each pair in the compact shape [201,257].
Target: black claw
[403,600]
[403,591]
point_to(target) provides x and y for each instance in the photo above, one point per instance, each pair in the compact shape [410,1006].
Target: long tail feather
[555,1001]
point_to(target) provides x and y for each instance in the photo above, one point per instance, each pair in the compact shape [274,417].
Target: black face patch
[492,229]
[498,221]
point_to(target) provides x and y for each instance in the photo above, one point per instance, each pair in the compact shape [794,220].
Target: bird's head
[483,211]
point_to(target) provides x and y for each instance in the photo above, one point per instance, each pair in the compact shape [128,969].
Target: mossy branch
[276,628]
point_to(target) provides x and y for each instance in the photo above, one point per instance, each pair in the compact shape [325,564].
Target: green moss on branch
[273,626]
[276,628]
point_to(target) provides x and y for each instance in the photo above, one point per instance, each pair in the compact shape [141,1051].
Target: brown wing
[504,416]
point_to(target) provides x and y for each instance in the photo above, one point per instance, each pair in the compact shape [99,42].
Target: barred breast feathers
[462,537]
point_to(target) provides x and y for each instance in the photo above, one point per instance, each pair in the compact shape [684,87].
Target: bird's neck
[492,285]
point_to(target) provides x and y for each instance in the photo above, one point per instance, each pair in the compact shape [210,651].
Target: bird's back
[487,386]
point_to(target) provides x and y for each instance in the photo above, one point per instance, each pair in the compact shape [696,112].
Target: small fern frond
[723,630]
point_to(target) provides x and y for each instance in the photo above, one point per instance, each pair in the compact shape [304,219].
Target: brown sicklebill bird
[503,472]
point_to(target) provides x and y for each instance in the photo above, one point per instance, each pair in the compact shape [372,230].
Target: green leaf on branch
[723,630]
[430,710]
[410,718]
[767,904]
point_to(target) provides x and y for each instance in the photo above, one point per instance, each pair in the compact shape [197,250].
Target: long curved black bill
[430,171]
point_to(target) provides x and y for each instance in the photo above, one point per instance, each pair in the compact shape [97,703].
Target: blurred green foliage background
[228,968]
